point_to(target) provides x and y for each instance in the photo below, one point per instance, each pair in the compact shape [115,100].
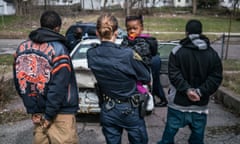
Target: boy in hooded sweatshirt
[195,73]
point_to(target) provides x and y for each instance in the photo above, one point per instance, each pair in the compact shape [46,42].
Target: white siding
[6,8]
[86,4]
[182,3]
[228,3]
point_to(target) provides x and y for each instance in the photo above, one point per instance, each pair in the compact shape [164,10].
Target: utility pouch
[143,104]
[99,94]
[135,101]
[146,104]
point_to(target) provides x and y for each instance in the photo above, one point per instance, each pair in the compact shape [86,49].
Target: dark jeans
[157,87]
[123,116]
[177,119]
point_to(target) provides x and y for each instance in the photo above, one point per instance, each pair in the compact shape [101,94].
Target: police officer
[117,70]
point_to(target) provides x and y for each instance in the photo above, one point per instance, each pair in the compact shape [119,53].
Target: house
[146,3]
[85,4]
[229,3]
[182,3]
[6,8]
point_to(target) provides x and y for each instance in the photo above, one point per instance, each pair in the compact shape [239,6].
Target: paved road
[9,45]
[222,127]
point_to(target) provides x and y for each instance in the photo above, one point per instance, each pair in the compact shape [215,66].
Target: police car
[164,49]
[88,99]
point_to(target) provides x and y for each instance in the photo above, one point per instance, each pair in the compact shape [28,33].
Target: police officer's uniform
[117,70]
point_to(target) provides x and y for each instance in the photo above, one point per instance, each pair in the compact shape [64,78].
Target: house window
[187,1]
[179,0]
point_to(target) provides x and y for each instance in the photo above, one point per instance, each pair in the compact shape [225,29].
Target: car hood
[84,76]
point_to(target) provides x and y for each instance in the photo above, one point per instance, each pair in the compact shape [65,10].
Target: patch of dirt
[13,111]
[14,104]
[11,105]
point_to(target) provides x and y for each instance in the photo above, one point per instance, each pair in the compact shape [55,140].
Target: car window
[81,52]
[164,49]
[89,31]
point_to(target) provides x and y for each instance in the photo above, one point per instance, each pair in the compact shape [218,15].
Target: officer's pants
[123,116]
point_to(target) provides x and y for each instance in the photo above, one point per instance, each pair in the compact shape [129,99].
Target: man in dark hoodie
[45,80]
[195,73]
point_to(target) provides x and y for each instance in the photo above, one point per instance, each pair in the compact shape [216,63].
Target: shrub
[7,91]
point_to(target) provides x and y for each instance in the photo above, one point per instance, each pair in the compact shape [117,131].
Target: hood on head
[42,35]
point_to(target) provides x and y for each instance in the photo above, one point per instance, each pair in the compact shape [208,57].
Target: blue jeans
[157,87]
[123,116]
[177,119]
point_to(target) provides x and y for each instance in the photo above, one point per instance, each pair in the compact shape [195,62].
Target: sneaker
[161,104]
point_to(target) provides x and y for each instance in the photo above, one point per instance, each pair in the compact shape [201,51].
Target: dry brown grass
[12,116]
[231,81]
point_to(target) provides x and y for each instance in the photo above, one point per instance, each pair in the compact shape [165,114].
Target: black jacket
[194,64]
[44,75]
[146,47]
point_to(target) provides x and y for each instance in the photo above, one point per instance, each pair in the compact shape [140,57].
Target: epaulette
[136,56]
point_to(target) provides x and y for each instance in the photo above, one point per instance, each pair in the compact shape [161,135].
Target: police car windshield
[165,49]
[81,52]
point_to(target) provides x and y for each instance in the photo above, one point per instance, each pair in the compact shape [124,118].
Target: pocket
[63,131]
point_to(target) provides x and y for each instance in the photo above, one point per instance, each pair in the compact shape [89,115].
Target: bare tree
[92,4]
[232,13]
[104,4]
[194,6]
[131,3]
[22,6]
[236,4]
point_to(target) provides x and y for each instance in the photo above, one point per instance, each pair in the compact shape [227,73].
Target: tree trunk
[235,4]
[45,4]
[104,4]
[194,5]
[127,6]
[92,4]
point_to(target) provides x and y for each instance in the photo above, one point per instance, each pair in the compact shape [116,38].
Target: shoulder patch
[136,56]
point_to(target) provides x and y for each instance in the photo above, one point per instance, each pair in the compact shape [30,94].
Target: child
[143,44]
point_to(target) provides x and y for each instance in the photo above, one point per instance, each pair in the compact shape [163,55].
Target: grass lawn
[177,23]
[19,27]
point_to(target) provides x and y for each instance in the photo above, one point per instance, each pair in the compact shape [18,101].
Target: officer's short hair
[50,19]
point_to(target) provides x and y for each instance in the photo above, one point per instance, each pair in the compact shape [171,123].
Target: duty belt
[134,100]
[119,101]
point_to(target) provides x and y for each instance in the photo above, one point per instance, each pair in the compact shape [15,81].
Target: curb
[229,99]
